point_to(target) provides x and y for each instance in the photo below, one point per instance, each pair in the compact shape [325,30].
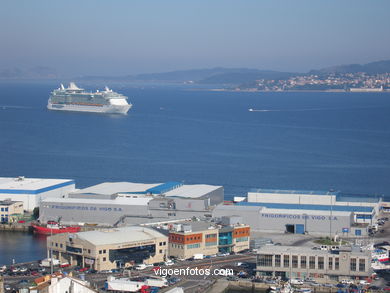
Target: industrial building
[10,211]
[312,212]
[109,248]
[304,262]
[31,191]
[121,203]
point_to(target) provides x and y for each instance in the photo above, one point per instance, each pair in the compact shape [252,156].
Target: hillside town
[353,82]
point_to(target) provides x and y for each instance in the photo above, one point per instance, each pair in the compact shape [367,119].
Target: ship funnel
[62,86]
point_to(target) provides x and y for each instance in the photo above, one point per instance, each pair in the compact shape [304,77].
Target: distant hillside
[377,67]
[38,72]
[216,75]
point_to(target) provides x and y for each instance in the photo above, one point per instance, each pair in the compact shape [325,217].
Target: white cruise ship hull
[109,109]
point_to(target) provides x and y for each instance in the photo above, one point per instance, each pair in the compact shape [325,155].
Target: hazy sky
[130,36]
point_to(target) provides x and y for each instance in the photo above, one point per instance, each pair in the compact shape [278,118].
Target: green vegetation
[35,215]
[328,241]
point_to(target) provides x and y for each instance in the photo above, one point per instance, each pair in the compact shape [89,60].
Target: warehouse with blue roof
[297,211]
[31,191]
[123,203]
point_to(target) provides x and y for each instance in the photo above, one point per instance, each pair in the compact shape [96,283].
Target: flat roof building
[188,238]
[110,248]
[10,210]
[297,211]
[304,262]
[121,203]
[31,191]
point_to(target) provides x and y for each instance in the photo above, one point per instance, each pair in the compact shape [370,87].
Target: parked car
[296,282]
[83,269]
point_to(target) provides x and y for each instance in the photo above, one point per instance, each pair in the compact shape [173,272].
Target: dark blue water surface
[308,140]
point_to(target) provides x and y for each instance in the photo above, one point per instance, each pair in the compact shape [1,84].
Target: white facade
[31,191]
[69,284]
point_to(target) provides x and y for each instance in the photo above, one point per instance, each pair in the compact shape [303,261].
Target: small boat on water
[54,228]
[286,288]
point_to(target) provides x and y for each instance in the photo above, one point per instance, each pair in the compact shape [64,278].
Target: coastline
[287,91]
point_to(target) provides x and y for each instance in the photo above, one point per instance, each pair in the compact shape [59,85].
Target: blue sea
[293,140]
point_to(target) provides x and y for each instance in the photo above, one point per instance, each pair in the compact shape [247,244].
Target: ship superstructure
[74,98]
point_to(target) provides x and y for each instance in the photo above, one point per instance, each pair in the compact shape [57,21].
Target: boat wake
[306,109]
[5,107]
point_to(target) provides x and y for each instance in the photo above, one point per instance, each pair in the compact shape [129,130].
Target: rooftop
[196,226]
[171,189]
[281,191]
[8,202]
[119,235]
[340,196]
[119,201]
[118,187]
[272,249]
[22,185]
[192,191]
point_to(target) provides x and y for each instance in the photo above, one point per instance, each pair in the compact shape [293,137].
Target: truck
[156,282]
[198,256]
[123,285]
[47,262]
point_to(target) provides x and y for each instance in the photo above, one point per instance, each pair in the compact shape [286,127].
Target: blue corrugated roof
[358,197]
[313,192]
[309,207]
[163,188]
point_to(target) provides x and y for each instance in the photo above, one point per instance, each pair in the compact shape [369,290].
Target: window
[211,236]
[303,262]
[196,245]
[61,245]
[312,262]
[294,261]
[241,239]
[321,263]
[89,251]
[104,259]
[104,251]
[211,243]
[100,252]
[362,265]
[337,263]
[160,250]
[164,243]
[56,244]
[353,264]
[286,261]
[277,260]
[265,260]
[330,263]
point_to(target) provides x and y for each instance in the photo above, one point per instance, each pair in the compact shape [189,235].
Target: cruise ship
[74,98]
